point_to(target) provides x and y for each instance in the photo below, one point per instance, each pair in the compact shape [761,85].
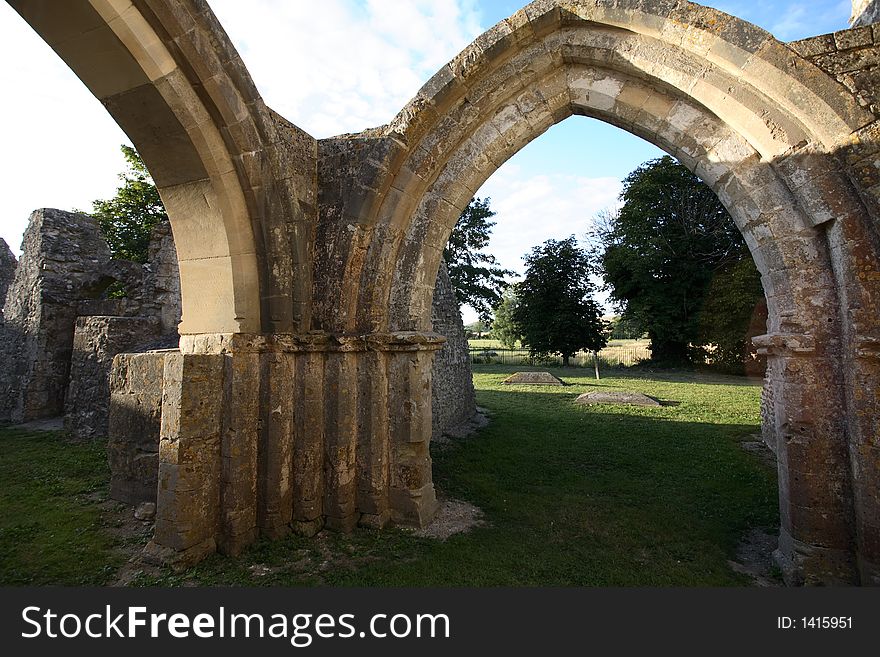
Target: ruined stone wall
[864,12]
[452,395]
[61,264]
[147,318]
[97,339]
[135,390]
[8,264]
[162,278]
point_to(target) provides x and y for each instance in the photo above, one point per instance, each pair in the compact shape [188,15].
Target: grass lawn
[572,495]
[52,529]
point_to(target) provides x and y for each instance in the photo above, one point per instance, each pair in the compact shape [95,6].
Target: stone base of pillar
[812,565]
[375,520]
[178,560]
[342,525]
[414,508]
[307,528]
[272,434]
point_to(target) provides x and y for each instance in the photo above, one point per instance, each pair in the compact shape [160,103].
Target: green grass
[572,495]
[51,529]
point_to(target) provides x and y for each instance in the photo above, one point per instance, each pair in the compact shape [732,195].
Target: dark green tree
[127,219]
[475,275]
[556,312]
[661,251]
[504,328]
[734,311]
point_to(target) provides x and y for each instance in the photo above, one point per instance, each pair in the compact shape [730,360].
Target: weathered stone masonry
[65,265]
[8,263]
[60,332]
[453,401]
[312,263]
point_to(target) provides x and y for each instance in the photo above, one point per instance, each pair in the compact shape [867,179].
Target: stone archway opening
[302,393]
[735,107]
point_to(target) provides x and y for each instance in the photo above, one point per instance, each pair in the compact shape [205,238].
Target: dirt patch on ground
[453,517]
[754,557]
[131,535]
[754,444]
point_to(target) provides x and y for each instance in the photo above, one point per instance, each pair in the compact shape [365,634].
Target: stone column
[411,488]
[279,433]
[815,498]
[188,501]
[864,452]
[308,444]
[372,454]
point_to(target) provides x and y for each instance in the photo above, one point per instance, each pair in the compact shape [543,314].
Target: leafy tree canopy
[661,251]
[475,275]
[127,219]
[556,312]
[504,328]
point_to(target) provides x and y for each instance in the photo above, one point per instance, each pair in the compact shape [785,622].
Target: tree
[556,311]
[661,251]
[127,219]
[475,275]
[504,328]
[476,329]
[734,311]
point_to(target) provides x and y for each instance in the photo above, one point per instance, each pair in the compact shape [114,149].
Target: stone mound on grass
[630,398]
[533,379]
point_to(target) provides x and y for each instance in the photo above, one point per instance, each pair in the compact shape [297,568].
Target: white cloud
[354,70]
[350,66]
[532,209]
[60,147]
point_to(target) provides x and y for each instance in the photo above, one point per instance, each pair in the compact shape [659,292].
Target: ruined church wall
[452,394]
[63,255]
[8,265]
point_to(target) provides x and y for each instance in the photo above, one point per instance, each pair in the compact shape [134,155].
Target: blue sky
[351,67]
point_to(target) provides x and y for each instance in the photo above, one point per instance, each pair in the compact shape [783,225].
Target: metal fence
[608,357]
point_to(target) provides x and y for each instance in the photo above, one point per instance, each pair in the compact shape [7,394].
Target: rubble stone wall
[452,394]
[162,278]
[96,340]
[8,264]
[63,255]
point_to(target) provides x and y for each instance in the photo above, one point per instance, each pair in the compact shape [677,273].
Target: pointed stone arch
[769,132]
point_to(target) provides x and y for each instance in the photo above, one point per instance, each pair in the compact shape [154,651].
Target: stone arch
[169,76]
[765,129]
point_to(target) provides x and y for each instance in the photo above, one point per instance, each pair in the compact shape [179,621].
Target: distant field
[618,353]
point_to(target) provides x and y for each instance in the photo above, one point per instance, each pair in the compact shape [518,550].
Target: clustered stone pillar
[815,497]
[273,434]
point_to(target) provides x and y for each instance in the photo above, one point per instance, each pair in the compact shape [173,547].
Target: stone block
[135,415]
[96,341]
